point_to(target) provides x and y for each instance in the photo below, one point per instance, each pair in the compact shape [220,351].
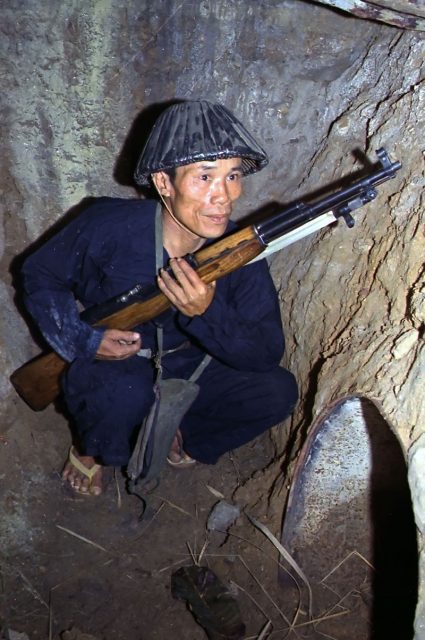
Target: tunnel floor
[85,568]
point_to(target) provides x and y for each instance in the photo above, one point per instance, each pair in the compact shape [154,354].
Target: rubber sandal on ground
[177,457]
[88,472]
[181,460]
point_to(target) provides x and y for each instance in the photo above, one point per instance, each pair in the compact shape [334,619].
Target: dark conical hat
[193,131]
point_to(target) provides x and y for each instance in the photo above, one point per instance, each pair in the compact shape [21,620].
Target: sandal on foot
[183,461]
[177,457]
[88,472]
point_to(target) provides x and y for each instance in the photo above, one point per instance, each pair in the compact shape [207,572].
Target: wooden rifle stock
[38,381]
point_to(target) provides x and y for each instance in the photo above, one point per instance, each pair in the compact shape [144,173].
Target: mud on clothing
[107,250]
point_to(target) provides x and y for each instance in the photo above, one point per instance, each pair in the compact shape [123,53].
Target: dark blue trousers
[109,400]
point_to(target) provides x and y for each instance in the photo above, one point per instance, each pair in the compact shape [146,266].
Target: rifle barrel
[358,193]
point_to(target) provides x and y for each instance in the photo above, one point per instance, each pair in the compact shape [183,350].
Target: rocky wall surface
[374,271]
[84,80]
[357,316]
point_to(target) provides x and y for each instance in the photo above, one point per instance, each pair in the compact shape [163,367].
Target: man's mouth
[218,218]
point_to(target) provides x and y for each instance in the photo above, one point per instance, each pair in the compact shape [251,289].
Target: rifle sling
[173,398]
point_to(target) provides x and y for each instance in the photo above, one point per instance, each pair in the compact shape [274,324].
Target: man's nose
[220,193]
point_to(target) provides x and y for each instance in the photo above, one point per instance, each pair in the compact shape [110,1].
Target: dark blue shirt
[107,250]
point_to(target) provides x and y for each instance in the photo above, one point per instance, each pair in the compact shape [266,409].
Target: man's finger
[123,337]
[183,271]
[179,271]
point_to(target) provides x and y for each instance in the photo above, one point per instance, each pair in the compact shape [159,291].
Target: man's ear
[162,183]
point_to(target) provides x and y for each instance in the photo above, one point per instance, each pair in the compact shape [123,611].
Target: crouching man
[196,158]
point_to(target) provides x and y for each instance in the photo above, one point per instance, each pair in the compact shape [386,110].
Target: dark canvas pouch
[173,398]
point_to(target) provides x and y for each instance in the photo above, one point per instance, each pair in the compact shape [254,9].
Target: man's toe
[96,490]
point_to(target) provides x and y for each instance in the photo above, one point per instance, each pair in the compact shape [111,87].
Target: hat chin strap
[162,200]
[201,240]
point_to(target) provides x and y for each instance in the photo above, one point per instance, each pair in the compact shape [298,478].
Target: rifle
[38,381]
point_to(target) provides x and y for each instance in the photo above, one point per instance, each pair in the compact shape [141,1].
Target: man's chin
[214,233]
[215,229]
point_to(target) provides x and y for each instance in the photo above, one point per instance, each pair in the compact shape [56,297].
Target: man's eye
[204,177]
[234,176]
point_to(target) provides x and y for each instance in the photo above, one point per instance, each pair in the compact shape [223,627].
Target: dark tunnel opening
[350,526]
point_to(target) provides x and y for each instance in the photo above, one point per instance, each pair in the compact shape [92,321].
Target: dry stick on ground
[32,590]
[325,635]
[146,527]
[236,468]
[192,555]
[87,540]
[323,618]
[285,569]
[287,557]
[172,505]
[117,487]
[173,564]
[100,547]
[196,561]
[202,552]
[277,632]
[264,590]
[80,573]
[27,585]
[270,558]
[347,557]
[50,616]
[257,604]
[110,552]
[196,558]
[291,625]
[341,599]
[216,494]
[164,502]
[265,631]
[327,615]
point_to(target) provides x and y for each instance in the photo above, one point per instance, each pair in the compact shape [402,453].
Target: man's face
[201,195]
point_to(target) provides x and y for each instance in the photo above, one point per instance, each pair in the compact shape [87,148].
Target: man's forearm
[58,320]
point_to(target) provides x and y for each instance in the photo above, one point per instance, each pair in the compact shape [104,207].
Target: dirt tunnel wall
[314,86]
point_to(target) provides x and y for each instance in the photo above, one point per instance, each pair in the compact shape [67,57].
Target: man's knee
[108,390]
[283,392]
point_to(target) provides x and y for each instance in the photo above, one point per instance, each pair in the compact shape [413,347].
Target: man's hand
[188,293]
[118,345]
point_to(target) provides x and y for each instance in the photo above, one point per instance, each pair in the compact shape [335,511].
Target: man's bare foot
[177,457]
[83,473]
